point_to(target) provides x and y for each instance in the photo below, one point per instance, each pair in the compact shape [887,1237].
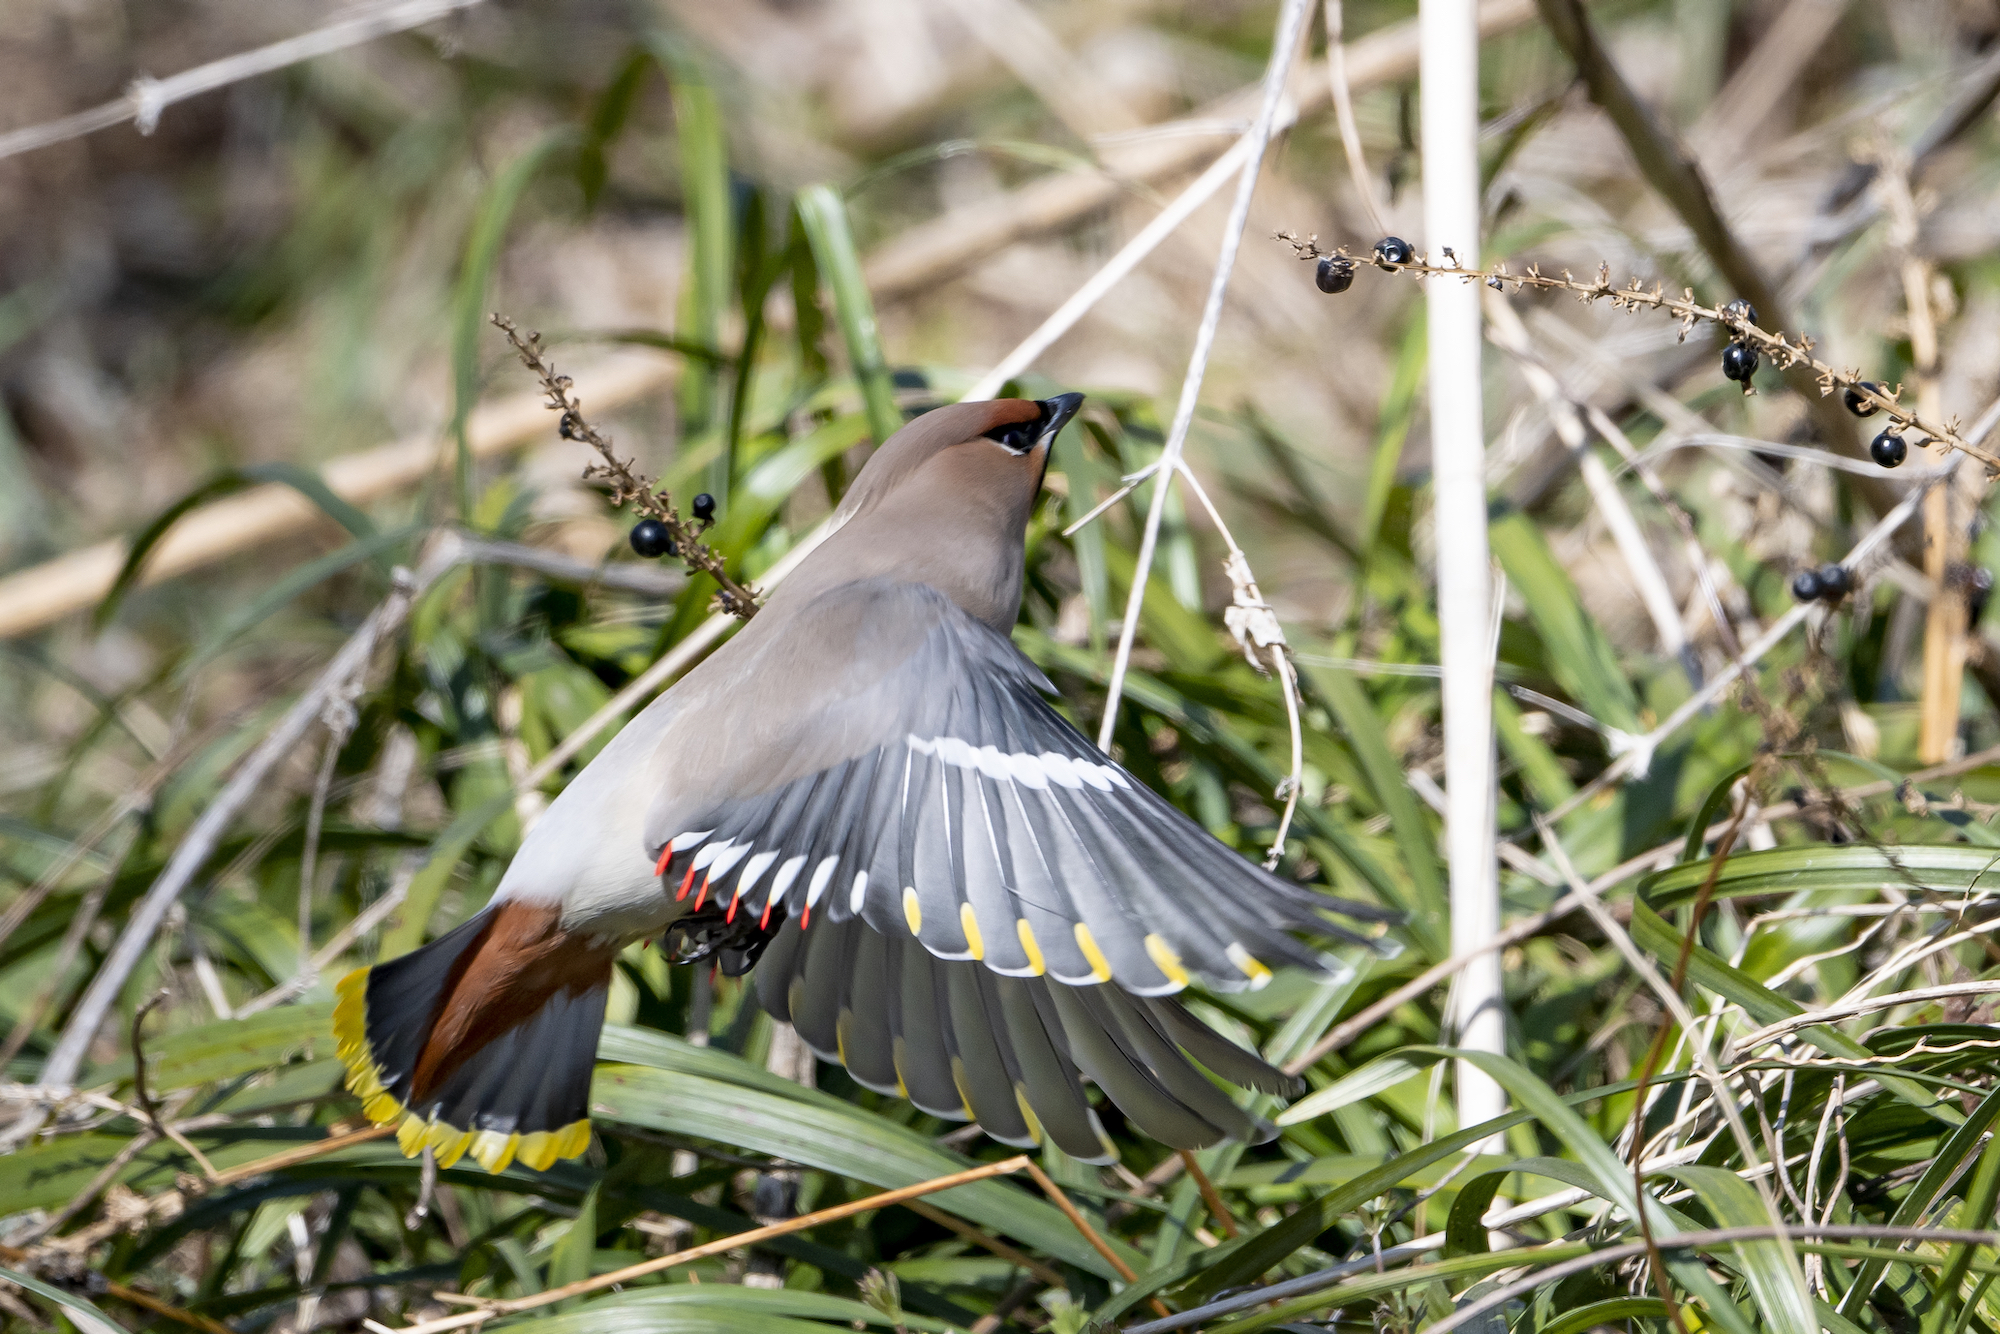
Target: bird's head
[990,454]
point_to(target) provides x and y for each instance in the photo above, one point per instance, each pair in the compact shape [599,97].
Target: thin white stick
[1163,225]
[1291,25]
[1343,110]
[1511,336]
[1448,31]
[1637,757]
[148,97]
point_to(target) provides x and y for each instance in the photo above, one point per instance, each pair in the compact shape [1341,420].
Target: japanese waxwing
[865,800]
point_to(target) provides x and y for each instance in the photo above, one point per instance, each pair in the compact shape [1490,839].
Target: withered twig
[1784,352]
[150,1109]
[627,482]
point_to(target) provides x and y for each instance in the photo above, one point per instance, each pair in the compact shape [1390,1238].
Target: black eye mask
[1020,437]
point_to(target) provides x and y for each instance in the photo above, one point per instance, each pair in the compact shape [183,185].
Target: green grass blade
[1942,868]
[1764,1006]
[607,121]
[1392,428]
[468,321]
[1579,656]
[1964,1140]
[1362,728]
[824,218]
[1980,1198]
[702,143]
[242,619]
[79,1312]
[303,480]
[1375,1077]
[1609,1312]
[677,1090]
[1777,1287]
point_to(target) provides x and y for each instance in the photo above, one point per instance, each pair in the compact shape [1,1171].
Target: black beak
[1056,413]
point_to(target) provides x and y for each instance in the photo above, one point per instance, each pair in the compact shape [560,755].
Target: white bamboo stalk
[1448,31]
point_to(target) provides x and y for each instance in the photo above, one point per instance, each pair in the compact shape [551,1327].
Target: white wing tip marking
[1035,771]
[821,874]
[786,874]
[858,895]
[753,871]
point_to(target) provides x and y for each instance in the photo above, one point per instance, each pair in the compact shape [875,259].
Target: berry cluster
[650,537]
[1829,583]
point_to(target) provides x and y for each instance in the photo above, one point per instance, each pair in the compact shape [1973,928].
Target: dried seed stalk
[628,484]
[1784,352]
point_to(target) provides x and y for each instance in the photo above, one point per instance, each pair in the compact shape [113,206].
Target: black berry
[1888,449]
[1861,406]
[652,538]
[704,507]
[1739,311]
[1739,362]
[1393,252]
[1805,586]
[1335,274]
[1835,582]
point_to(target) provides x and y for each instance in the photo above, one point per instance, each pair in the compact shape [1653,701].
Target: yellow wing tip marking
[913,912]
[1030,946]
[968,922]
[896,1061]
[964,1091]
[1100,967]
[1164,958]
[1250,966]
[1034,1123]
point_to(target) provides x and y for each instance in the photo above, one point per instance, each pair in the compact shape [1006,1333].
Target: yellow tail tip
[540,1149]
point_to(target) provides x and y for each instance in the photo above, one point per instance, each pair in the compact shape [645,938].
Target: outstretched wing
[963,1042]
[936,796]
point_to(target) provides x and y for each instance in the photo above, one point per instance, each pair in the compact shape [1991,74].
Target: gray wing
[932,793]
[963,1042]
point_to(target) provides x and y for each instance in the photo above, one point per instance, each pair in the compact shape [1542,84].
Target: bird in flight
[865,801]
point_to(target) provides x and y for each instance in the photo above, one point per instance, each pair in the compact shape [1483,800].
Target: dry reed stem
[1343,110]
[1082,1225]
[45,593]
[147,98]
[721,1246]
[1210,1196]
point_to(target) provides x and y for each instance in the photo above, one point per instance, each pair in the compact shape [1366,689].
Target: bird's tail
[482,1041]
